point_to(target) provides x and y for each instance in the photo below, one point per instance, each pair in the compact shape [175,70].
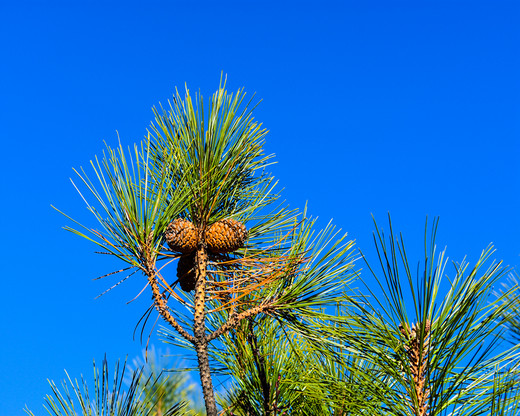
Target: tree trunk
[199,332]
[205,378]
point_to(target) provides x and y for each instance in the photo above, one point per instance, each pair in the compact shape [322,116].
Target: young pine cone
[186,272]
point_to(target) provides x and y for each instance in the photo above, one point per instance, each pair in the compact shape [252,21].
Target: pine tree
[196,192]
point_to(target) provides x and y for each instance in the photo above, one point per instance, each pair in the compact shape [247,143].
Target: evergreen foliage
[109,395]
[279,315]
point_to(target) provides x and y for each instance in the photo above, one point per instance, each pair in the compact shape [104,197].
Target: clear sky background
[407,107]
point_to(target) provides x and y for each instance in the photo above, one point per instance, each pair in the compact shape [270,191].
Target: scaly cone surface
[226,236]
[182,236]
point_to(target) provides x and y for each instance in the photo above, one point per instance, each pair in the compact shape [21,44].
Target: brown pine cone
[181,236]
[226,236]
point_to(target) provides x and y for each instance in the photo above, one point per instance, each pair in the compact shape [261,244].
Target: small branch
[235,319]
[162,308]
[417,350]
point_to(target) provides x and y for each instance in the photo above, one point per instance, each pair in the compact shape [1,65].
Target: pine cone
[226,236]
[181,236]
[186,272]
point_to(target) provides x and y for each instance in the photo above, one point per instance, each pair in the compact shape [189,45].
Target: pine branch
[162,308]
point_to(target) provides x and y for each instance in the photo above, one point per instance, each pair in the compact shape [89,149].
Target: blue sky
[405,107]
